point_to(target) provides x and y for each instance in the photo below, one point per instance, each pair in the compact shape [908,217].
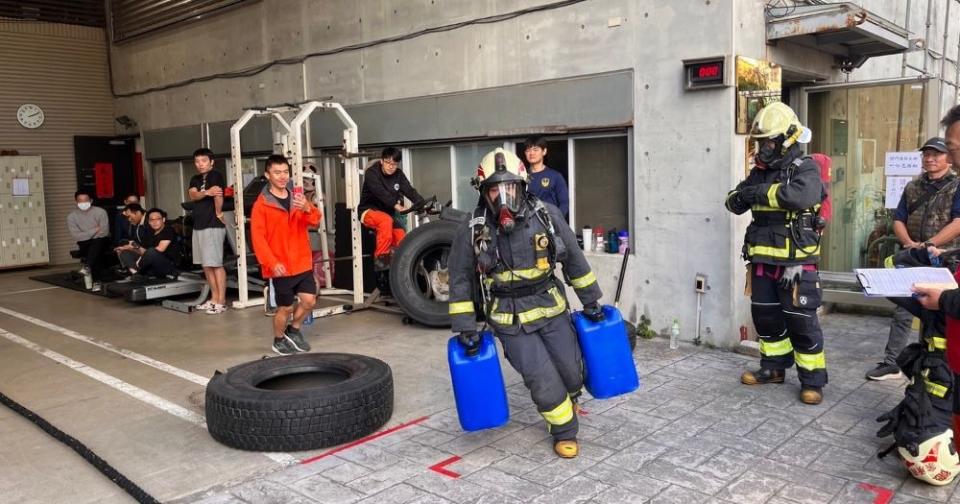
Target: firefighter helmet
[502,181]
[936,462]
[512,168]
[775,130]
[773,120]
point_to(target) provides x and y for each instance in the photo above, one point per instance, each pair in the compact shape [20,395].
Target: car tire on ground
[266,405]
[424,241]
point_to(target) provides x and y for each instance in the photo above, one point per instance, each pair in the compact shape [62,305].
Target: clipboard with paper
[888,282]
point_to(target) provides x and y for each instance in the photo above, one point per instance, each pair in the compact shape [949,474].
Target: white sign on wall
[21,187]
[902,164]
[895,187]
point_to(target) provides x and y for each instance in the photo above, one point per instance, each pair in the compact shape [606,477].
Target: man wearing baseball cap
[928,215]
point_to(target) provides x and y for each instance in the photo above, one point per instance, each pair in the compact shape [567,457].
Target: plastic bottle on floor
[675,335]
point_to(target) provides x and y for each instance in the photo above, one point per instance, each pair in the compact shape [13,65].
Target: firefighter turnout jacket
[518,270]
[785,204]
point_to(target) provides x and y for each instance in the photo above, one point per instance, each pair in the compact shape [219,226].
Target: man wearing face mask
[782,246]
[511,247]
[90,227]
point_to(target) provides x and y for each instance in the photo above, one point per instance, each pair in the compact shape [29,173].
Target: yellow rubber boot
[567,449]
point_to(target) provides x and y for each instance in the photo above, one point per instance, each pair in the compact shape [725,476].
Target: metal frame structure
[293,144]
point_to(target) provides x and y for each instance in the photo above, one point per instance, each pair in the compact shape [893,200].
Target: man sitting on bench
[157,252]
[90,227]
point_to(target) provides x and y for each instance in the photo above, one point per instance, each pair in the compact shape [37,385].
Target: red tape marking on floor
[360,441]
[439,467]
[883,495]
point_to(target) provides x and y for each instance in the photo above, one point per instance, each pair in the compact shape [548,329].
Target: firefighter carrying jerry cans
[508,251]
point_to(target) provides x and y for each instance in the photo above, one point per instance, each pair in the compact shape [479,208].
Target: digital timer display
[709,71]
[705,73]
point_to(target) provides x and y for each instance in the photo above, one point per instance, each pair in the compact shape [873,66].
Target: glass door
[856,127]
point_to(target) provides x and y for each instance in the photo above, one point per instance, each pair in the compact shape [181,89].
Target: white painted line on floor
[29,290]
[131,390]
[143,359]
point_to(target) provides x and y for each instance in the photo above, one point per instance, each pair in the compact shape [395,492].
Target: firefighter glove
[593,312]
[749,194]
[791,276]
[470,341]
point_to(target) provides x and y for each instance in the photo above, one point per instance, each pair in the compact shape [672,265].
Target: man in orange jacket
[278,229]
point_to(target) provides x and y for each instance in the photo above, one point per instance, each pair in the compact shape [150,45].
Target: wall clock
[30,115]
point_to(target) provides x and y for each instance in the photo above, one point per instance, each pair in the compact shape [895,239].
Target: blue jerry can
[607,358]
[478,387]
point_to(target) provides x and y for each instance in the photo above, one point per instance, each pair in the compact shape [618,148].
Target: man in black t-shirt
[206,192]
[136,218]
[158,252]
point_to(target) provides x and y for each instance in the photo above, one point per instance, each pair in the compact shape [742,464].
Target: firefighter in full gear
[507,253]
[782,246]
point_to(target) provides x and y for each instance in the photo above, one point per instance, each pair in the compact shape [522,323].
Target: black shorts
[287,288]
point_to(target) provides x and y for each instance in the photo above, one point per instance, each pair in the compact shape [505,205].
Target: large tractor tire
[299,402]
[419,275]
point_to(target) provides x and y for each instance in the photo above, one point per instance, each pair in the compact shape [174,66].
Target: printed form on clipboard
[886,282]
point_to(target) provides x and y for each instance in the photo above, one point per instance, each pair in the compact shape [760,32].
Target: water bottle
[675,335]
[587,238]
[308,320]
[598,234]
[623,241]
[612,242]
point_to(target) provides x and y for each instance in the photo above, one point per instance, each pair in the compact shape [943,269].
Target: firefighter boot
[762,377]
[811,395]
[567,448]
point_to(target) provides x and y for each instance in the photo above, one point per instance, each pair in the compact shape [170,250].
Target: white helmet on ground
[936,462]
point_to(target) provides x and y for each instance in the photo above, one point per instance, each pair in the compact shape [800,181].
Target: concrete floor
[168,456]
[691,434]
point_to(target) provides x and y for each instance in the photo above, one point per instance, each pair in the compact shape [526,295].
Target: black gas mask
[504,194]
[769,151]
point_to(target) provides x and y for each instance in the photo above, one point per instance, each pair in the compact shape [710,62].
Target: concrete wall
[685,153]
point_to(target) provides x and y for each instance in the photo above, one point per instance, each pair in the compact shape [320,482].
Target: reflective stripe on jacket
[774,236]
[525,251]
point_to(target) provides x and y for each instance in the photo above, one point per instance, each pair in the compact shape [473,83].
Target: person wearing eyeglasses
[156,252]
[384,189]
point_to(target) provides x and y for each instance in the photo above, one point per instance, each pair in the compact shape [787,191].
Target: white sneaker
[217,309]
[206,305]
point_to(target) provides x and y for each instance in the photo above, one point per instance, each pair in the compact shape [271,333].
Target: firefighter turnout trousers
[549,360]
[786,322]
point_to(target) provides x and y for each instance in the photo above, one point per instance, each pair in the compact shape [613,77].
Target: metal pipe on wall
[926,37]
[956,78]
[943,54]
[906,26]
